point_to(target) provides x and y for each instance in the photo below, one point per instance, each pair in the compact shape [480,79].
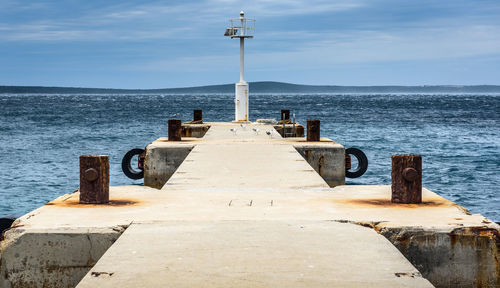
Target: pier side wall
[464,257]
[45,258]
[194,130]
[327,159]
[162,160]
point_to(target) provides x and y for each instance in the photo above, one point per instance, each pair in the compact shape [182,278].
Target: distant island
[258,87]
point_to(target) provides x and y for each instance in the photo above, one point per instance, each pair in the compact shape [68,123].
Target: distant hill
[259,87]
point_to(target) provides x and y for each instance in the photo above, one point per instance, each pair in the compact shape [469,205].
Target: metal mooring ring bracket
[127,167]
[362,163]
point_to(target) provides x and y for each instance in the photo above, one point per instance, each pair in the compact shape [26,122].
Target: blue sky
[160,44]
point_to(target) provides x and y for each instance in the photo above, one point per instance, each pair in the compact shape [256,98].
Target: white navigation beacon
[241,28]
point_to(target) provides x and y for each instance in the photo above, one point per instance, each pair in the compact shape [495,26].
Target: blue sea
[42,136]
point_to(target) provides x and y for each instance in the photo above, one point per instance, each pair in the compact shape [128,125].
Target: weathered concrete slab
[222,131]
[407,226]
[326,157]
[366,205]
[248,164]
[252,254]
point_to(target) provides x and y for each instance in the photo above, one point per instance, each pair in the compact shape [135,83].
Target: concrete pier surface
[247,209]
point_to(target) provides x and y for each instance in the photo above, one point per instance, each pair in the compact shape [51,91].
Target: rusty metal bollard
[197,115]
[347,162]
[174,130]
[94,179]
[406,179]
[313,130]
[285,115]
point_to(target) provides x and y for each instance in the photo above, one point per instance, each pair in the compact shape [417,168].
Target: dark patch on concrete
[321,164]
[190,139]
[97,274]
[303,140]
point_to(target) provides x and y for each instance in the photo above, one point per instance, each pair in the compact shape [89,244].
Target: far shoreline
[258,87]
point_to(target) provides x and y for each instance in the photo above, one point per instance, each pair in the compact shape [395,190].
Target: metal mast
[241,28]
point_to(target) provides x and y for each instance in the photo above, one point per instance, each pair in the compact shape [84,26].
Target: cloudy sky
[160,44]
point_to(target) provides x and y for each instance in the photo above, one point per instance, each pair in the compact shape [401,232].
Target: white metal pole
[242,59]
[242,47]
[241,88]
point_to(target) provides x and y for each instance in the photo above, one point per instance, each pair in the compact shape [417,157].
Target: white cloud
[334,48]
[442,39]
[109,22]
[274,8]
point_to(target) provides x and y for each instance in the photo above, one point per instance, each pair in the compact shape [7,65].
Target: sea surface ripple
[42,136]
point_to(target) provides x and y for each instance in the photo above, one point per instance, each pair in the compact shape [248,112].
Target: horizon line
[250,82]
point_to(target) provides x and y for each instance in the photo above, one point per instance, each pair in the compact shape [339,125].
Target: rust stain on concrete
[386,203]
[182,140]
[472,233]
[75,203]
[486,241]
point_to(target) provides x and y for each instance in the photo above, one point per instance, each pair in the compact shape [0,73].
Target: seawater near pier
[457,136]
[269,187]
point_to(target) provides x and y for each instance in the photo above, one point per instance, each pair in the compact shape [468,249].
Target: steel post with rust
[406,179]
[285,115]
[313,130]
[197,115]
[347,162]
[283,129]
[174,130]
[94,179]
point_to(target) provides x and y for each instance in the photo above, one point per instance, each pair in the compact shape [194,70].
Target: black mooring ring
[127,166]
[362,163]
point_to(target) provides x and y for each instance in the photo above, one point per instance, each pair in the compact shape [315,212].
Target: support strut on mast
[241,28]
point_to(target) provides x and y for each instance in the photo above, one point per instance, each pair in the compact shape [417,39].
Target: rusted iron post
[406,179]
[283,129]
[313,130]
[347,162]
[140,162]
[197,115]
[174,130]
[94,179]
[285,115]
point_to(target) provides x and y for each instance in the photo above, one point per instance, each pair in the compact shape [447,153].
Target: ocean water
[42,136]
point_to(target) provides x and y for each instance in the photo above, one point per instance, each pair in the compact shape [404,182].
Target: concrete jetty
[244,208]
